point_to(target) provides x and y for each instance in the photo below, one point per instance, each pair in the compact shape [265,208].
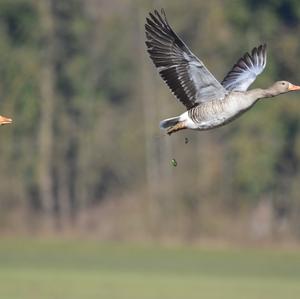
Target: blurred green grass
[88,269]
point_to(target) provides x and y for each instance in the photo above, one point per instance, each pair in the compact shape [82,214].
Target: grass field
[88,270]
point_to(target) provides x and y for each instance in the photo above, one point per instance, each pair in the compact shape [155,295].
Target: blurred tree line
[85,151]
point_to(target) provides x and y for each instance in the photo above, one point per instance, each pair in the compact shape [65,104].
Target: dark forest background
[85,154]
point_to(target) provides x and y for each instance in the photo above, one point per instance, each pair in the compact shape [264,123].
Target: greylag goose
[5,120]
[209,103]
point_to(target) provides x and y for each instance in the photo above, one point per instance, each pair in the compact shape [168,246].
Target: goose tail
[169,122]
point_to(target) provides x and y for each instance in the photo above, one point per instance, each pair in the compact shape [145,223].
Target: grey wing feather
[184,73]
[245,71]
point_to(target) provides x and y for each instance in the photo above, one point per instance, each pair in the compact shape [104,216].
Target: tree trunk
[48,96]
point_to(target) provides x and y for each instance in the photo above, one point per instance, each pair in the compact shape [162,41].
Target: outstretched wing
[184,73]
[245,71]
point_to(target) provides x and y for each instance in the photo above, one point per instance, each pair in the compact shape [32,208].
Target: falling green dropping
[174,162]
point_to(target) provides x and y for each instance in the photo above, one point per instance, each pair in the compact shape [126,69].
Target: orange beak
[5,120]
[294,87]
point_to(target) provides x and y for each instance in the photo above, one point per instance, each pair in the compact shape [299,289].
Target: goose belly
[209,116]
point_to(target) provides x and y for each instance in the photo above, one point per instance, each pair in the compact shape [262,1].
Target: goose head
[5,120]
[283,87]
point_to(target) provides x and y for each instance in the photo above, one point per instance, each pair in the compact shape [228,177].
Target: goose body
[210,104]
[216,113]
